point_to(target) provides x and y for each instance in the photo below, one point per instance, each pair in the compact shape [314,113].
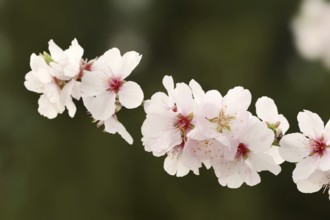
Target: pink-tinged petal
[275,154]
[249,175]
[310,124]
[93,83]
[55,51]
[237,100]
[47,108]
[41,69]
[113,126]
[324,164]
[284,124]
[197,90]
[102,106]
[183,98]
[306,186]
[129,61]
[53,92]
[71,107]
[305,168]
[159,102]
[130,95]
[168,83]
[109,63]
[267,110]
[294,147]
[74,53]
[261,162]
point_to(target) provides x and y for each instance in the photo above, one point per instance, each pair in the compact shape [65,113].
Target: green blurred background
[68,169]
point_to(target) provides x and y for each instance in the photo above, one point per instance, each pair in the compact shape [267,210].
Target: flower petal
[294,147]
[168,83]
[47,108]
[261,162]
[129,61]
[310,124]
[305,168]
[93,83]
[130,95]
[113,126]
[237,100]
[183,98]
[306,186]
[267,110]
[102,106]
[197,90]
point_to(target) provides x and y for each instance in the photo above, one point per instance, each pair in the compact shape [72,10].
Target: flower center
[114,84]
[183,123]
[242,151]
[223,121]
[318,146]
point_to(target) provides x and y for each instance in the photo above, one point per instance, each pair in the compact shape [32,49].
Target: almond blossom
[170,118]
[267,111]
[251,144]
[309,149]
[58,86]
[104,88]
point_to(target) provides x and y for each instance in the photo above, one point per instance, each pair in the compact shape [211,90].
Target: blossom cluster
[189,126]
[63,75]
[193,127]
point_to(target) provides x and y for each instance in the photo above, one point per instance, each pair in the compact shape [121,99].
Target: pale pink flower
[309,149]
[252,144]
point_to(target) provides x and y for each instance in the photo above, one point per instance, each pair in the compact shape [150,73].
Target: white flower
[56,95]
[252,144]
[169,119]
[311,29]
[217,114]
[105,83]
[267,112]
[309,149]
[105,90]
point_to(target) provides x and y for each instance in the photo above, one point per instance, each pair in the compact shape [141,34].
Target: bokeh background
[68,169]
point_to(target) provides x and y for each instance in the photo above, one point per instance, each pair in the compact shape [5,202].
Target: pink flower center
[184,123]
[114,84]
[242,151]
[318,146]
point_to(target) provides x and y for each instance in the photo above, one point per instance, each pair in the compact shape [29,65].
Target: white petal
[267,110]
[249,175]
[47,108]
[130,95]
[325,161]
[168,83]
[112,126]
[237,100]
[306,186]
[32,83]
[173,164]
[129,61]
[310,124]
[67,99]
[261,162]
[93,83]
[109,63]
[102,106]
[183,98]
[304,168]
[294,147]
[55,51]
[284,124]
[275,154]
[197,90]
